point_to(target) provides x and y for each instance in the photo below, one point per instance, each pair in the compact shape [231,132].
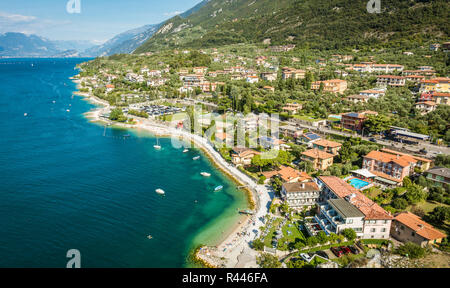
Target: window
[413,234]
[349,221]
[383,230]
[373,230]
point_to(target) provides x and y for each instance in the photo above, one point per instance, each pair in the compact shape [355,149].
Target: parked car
[322,254]
[337,251]
[346,250]
[373,140]
[306,257]
[423,151]
[353,249]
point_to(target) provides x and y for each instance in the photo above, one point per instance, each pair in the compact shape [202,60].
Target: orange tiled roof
[404,154]
[402,160]
[288,174]
[342,189]
[327,143]
[317,154]
[419,226]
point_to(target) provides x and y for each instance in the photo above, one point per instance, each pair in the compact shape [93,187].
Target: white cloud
[172,13]
[15,18]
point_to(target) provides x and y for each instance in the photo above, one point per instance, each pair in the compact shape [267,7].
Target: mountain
[21,45]
[79,45]
[322,24]
[125,42]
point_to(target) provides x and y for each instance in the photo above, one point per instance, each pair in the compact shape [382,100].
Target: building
[435,47]
[321,160]
[328,146]
[355,121]
[421,163]
[252,79]
[440,176]
[290,131]
[375,222]
[199,70]
[288,175]
[358,98]
[308,138]
[300,194]
[408,227]
[336,86]
[282,48]
[269,76]
[292,108]
[390,169]
[391,80]
[439,84]
[446,47]
[426,107]
[405,136]
[293,73]
[372,93]
[269,88]
[441,98]
[243,156]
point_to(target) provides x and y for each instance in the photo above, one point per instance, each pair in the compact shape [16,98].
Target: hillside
[323,24]
[21,45]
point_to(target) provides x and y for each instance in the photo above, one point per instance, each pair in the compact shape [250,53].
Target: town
[361,172]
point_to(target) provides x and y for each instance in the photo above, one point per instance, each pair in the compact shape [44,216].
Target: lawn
[271,234]
[307,118]
[427,206]
[294,230]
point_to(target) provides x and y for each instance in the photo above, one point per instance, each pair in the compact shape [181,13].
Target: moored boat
[160,192]
[185,150]
[196,158]
[205,174]
[218,188]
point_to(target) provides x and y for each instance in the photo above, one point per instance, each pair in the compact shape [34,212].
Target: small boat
[54,102]
[25,114]
[196,158]
[157,146]
[67,110]
[205,174]
[160,192]
[218,188]
[246,212]
[150,237]
[126,136]
[185,150]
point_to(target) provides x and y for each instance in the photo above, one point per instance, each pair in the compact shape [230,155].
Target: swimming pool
[358,183]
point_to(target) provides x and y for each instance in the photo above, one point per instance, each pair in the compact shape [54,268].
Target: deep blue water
[65,183]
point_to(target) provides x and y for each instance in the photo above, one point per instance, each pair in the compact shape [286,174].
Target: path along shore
[235,250]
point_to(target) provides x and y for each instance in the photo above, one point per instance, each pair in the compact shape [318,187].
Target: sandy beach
[235,250]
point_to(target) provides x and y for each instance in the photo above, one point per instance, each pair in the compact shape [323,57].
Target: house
[390,169]
[290,131]
[415,78]
[321,160]
[446,47]
[308,138]
[440,176]
[288,73]
[372,93]
[199,70]
[288,175]
[154,73]
[292,108]
[269,88]
[357,98]
[421,163]
[435,46]
[252,79]
[391,80]
[441,98]
[282,48]
[426,73]
[300,194]
[243,156]
[157,82]
[334,86]
[426,107]
[110,88]
[335,216]
[438,84]
[408,227]
[355,121]
[328,146]
[387,68]
[269,76]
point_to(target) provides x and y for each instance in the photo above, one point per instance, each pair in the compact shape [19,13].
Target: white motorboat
[185,150]
[205,174]
[160,192]
[196,158]
[157,146]
[218,188]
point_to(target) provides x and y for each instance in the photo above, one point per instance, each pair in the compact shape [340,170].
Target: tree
[348,233]
[266,260]
[311,241]
[415,194]
[322,237]
[378,123]
[411,250]
[439,215]
[258,245]
[400,203]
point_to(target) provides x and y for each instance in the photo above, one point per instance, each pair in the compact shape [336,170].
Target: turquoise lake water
[66,184]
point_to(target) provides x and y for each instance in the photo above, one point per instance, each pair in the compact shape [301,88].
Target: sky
[98,20]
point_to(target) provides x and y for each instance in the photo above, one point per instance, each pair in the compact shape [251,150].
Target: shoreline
[232,245]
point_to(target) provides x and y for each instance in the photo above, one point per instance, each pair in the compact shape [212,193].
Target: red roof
[421,228]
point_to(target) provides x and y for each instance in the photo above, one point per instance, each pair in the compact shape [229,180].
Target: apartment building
[269,76]
[372,93]
[336,86]
[299,195]
[440,176]
[372,221]
[355,121]
[357,98]
[320,160]
[438,84]
[391,80]
[293,73]
[328,146]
